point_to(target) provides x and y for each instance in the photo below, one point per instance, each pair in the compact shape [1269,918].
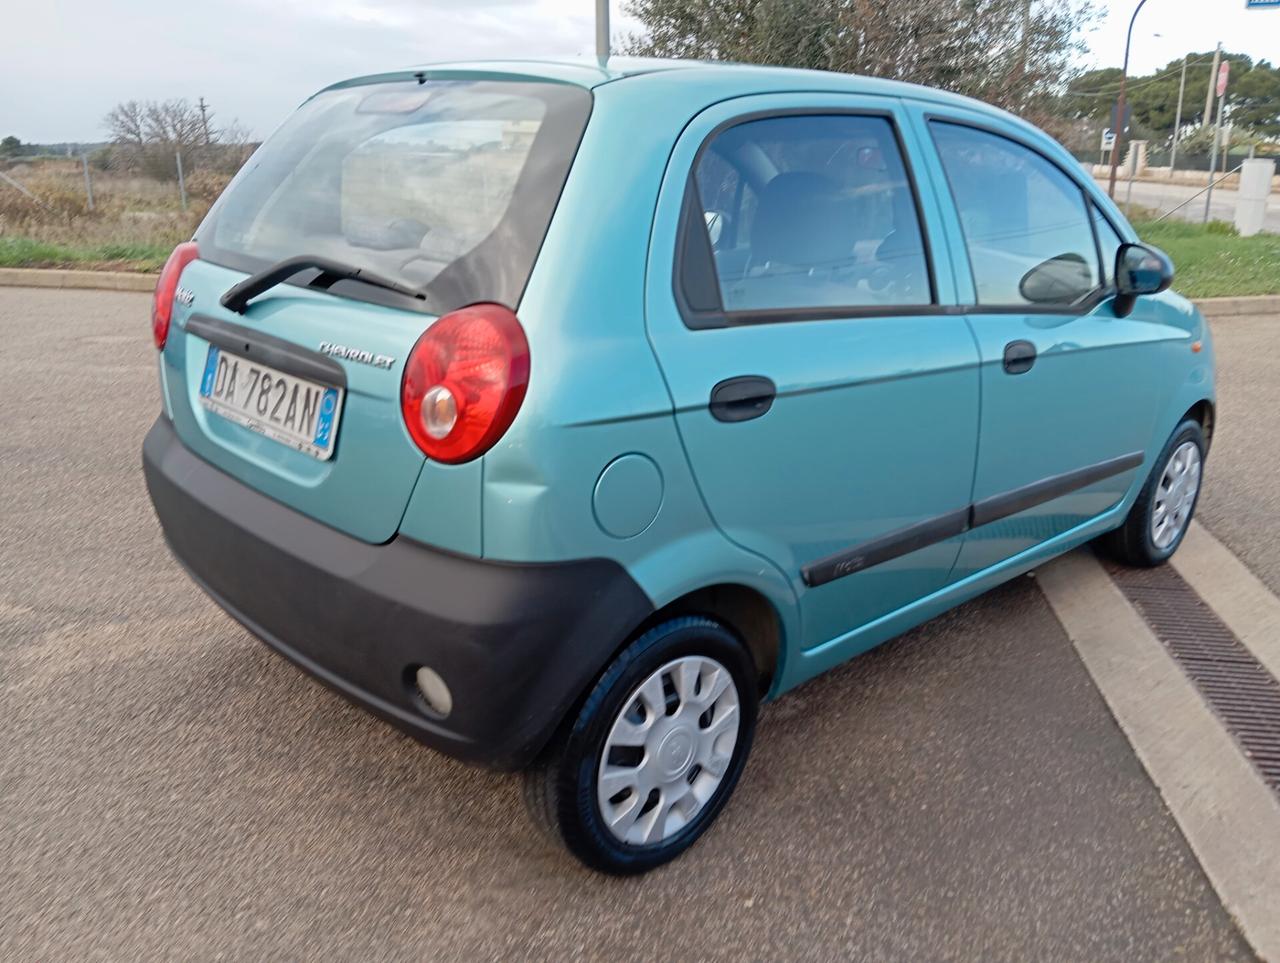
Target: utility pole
[602,31]
[204,120]
[1213,82]
[1122,105]
[1177,123]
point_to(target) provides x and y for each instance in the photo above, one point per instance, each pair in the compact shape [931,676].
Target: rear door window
[1026,225]
[805,213]
[447,185]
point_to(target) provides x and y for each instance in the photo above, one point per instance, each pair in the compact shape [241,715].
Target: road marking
[1229,816]
[1234,593]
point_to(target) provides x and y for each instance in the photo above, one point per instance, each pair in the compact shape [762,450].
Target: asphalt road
[168,788]
[1165,197]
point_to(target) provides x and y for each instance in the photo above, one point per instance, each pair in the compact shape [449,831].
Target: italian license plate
[291,410]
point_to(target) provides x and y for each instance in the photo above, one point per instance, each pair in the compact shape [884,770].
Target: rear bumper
[516,644]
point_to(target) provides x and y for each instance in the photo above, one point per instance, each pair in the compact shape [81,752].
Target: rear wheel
[1158,520]
[655,751]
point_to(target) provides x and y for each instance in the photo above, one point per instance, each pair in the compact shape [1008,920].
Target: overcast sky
[65,63]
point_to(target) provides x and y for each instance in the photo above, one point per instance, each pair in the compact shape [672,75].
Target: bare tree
[127,124]
[146,136]
[174,123]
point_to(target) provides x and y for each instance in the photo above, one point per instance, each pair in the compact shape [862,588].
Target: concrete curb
[93,280]
[1240,307]
[125,281]
[1227,813]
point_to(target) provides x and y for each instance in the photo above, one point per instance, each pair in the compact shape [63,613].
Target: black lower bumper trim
[516,643]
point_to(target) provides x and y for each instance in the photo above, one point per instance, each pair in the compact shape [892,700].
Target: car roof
[740,79]
[579,71]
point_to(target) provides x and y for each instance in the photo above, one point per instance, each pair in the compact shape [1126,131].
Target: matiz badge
[356,354]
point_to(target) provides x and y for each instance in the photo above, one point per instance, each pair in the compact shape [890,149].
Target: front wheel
[655,751]
[1162,513]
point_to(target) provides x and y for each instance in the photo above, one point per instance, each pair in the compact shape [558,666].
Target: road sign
[1262,3]
[1223,73]
[1108,139]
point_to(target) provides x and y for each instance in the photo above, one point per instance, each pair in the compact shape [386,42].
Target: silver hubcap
[668,750]
[1175,495]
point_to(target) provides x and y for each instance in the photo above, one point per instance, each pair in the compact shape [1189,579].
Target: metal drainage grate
[1242,693]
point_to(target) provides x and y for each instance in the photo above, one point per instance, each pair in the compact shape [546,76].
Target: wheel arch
[745,611]
[1205,413]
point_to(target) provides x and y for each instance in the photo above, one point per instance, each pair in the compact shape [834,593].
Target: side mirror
[1140,270]
[1060,280]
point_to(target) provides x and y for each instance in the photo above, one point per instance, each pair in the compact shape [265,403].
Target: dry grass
[134,220]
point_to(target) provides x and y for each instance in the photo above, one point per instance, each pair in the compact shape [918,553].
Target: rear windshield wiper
[237,298]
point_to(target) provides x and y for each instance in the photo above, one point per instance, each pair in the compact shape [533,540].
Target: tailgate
[364,484]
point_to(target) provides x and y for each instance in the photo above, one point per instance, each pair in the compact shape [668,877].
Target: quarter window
[806,212]
[1026,226]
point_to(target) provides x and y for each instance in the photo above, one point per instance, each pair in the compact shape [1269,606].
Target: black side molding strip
[1046,489]
[269,350]
[912,538]
[886,547]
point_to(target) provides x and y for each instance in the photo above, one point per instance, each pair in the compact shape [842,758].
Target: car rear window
[446,185]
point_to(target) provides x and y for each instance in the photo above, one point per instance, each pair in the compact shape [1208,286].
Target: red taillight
[166,287]
[464,382]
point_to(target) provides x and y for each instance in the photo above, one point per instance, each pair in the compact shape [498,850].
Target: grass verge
[24,252]
[1213,261]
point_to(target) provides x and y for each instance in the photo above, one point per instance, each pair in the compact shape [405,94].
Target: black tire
[1133,543]
[560,789]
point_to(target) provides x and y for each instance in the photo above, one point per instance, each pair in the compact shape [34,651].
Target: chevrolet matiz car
[561,414]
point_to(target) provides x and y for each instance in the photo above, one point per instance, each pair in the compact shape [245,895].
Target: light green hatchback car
[560,414]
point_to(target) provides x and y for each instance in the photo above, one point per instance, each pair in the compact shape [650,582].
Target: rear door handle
[1019,357]
[743,398]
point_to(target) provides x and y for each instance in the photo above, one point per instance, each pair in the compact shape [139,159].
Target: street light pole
[602,31]
[1121,105]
